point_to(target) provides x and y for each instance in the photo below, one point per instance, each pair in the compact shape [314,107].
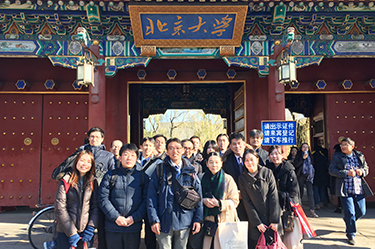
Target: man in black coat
[256,138]
[233,165]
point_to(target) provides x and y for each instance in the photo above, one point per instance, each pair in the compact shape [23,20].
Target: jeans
[302,180]
[354,208]
[319,194]
[173,239]
[123,240]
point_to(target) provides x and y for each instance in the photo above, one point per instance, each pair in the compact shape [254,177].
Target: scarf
[308,169]
[213,186]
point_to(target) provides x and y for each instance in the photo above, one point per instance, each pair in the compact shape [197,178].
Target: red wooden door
[37,133]
[20,150]
[64,127]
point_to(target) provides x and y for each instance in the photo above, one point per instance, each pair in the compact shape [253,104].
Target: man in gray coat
[350,167]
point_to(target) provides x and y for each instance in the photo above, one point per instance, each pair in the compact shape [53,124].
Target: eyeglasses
[174,148]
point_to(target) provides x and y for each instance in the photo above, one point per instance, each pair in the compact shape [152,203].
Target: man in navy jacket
[122,197]
[169,221]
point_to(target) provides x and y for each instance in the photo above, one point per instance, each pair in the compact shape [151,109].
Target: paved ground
[329,228]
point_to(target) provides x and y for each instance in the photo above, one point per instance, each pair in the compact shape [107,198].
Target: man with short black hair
[350,167]
[222,141]
[115,148]
[169,221]
[123,199]
[160,141]
[197,145]
[256,138]
[233,164]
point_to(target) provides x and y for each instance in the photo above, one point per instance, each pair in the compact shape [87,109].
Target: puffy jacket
[127,197]
[261,200]
[337,168]
[76,208]
[286,182]
[104,161]
[162,206]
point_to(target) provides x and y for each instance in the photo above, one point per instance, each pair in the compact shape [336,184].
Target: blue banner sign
[187,26]
[279,132]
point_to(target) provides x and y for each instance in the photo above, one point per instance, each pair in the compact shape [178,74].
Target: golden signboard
[187,26]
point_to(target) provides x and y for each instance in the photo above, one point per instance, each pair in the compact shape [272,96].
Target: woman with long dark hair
[220,196]
[76,206]
[259,193]
[209,147]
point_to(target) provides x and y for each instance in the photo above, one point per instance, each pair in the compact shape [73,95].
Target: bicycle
[41,227]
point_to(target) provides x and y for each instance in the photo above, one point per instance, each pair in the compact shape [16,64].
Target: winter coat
[230,164]
[127,197]
[162,205]
[321,165]
[230,200]
[261,200]
[286,182]
[76,209]
[104,161]
[337,168]
[150,166]
[263,156]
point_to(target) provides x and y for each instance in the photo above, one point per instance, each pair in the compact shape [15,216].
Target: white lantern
[287,70]
[85,73]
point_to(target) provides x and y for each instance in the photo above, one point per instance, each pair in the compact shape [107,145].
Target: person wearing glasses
[350,168]
[168,219]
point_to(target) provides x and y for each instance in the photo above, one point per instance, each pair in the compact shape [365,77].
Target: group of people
[180,192]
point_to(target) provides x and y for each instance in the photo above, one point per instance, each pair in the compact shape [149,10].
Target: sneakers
[50,244]
[313,214]
[351,240]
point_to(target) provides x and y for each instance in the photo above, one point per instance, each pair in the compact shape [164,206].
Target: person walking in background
[76,205]
[256,138]
[305,174]
[169,220]
[122,197]
[220,197]
[350,167]
[222,141]
[320,184]
[259,194]
[292,154]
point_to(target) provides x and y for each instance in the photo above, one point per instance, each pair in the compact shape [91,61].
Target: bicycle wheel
[41,226]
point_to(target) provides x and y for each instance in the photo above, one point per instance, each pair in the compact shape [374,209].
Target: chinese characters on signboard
[279,132]
[187,26]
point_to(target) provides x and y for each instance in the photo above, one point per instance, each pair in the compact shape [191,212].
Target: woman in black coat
[259,193]
[287,185]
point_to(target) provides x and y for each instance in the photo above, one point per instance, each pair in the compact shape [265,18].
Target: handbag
[293,239]
[233,235]
[277,244]
[186,196]
[210,228]
[288,221]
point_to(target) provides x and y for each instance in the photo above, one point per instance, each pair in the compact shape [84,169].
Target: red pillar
[97,96]
[276,96]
